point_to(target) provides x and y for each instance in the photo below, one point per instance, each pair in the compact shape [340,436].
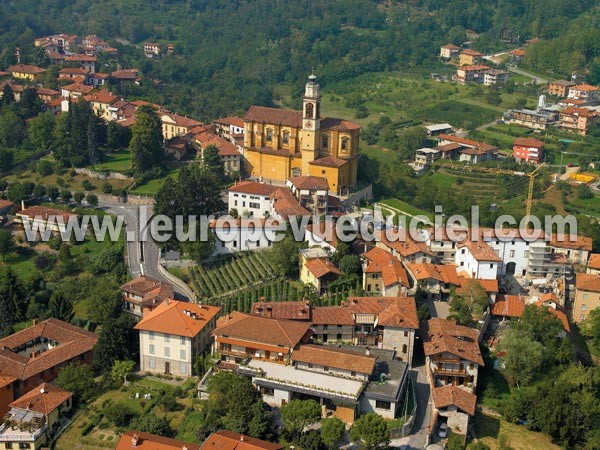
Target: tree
[79,196]
[13,302]
[79,379]
[146,140]
[350,265]
[53,193]
[584,192]
[118,413]
[493,97]
[150,423]
[120,370]
[591,326]
[461,311]
[60,307]
[7,243]
[107,188]
[332,432]
[213,163]
[66,195]
[455,442]
[298,414]
[370,431]
[523,356]
[284,255]
[106,298]
[40,130]
[475,294]
[12,129]
[117,341]
[92,199]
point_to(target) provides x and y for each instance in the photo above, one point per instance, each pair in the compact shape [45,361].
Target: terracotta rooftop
[577,111]
[451,47]
[584,87]
[445,396]
[276,332]
[6,204]
[152,291]
[235,121]
[551,302]
[46,91]
[178,318]
[287,117]
[476,67]
[471,52]
[329,161]
[147,441]
[508,306]
[310,183]
[593,263]
[125,74]
[253,187]
[446,273]
[564,241]
[78,87]
[481,251]
[405,247]
[82,58]
[25,68]
[466,142]
[528,142]
[563,83]
[43,399]
[332,315]
[382,261]
[490,286]
[6,380]
[319,267]
[282,310]
[517,52]
[286,205]
[332,123]
[228,440]
[223,146]
[333,357]
[102,96]
[400,313]
[182,121]
[72,342]
[441,335]
[587,282]
[44,213]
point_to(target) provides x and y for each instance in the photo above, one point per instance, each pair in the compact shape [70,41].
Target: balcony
[450,372]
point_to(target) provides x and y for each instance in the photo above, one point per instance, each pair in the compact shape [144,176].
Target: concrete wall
[394,338]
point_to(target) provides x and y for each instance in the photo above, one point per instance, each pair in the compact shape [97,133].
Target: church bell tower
[311,123]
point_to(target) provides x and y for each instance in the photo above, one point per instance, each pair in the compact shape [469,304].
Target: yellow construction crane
[531,175]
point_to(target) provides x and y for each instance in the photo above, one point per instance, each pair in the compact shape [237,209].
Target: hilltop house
[560,88]
[449,51]
[250,198]
[319,272]
[227,151]
[383,273]
[143,294]
[311,192]
[26,72]
[469,57]
[528,149]
[173,335]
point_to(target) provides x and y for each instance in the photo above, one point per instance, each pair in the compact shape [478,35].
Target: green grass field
[115,162]
[497,433]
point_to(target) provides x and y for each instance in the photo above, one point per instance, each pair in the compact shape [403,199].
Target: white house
[242,234]
[250,198]
[478,260]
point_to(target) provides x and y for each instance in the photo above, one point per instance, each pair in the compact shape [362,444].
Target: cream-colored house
[173,335]
[587,295]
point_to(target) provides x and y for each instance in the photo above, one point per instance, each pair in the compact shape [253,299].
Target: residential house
[26,72]
[228,440]
[5,207]
[103,104]
[97,79]
[146,441]
[173,335]
[229,128]
[560,88]
[441,246]
[284,205]
[471,73]
[527,149]
[311,192]
[383,273]
[517,54]
[471,151]
[438,128]
[577,120]
[322,234]
[36,354]
[282,143]
[495,76]
[85,61]
[587,295]
[33,420]
[61,41]
[250,198]
[126,76]
[175,125]
[536,120]
[151,49]
[435,279]
[477,259]
[404,247]
[143,294]
[577,250]
[244,234]
[47,95]
[469,57]
[75,91]
[455,405]
[319,272]
[299,310]
[44,218]
[228,153]
[508,307]
[593,265]
[449,51]
[425,157]
[239,336]
[178,147]
[77,74]
[7,392]
[584,92]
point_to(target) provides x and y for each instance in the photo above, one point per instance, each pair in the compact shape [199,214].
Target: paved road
[144,259]
[538,80]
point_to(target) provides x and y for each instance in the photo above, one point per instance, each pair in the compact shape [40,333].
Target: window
[182,340]
[269,135]
[405,333]
[326,369]
[151,349]
[267,391]
[353,373]
[471,366]
[511,253]
[491,266]
[167,352]
[151,335]
[286,137]
[462,252]
[310,365]
[324,327]
[167,338]
[339,336]
[404,348]
[183,368]
[310,108]
[584,307]
[345,142]
[379,404]
[182,354]
[152,363]
[325,141]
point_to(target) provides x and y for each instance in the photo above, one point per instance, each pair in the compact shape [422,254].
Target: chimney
[33,322]
[368,351]
[135,440]
[22,204]
[242,438]
[185,447]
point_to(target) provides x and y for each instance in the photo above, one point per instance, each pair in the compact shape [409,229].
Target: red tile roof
[82,58]
[334,315]
[286,117]
[441,335]
[391,269]
[253,187]
[125,74]
[223,146]
[550,301]
[78,87]
[445,396]
[147,441]
[6,204]
[235,121]
[178,318]
[102,96]
[228,440]
[446,273]
[405,247]
[6,380]
[286,205]
[182,121]
[332,123]
[72,342]
[25,68]
[508,306]
[490,286]
[587,282]
[577,111]
[564,241]
[44,213]
[334,357]
[528,142]
[584,87]
[481,251]
[310,183]
[277,332]
[329,161]
[43,399]
[471,52]
[593,263]
[152,291]
[299,310]
[319,267]
[467,142]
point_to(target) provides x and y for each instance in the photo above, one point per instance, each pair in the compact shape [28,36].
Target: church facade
[283,143]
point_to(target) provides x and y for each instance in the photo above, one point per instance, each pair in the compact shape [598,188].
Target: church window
[286,137]
[309,110]
[269,135]
[325,141]
[345,143]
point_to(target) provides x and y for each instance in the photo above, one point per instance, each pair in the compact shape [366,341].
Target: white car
[443,430]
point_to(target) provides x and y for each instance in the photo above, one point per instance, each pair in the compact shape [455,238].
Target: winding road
[143,257]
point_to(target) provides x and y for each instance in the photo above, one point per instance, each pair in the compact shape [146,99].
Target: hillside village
[386,342]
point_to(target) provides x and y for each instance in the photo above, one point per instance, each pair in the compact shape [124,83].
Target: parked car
[443,430]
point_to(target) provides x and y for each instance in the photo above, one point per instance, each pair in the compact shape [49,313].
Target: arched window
[325,141]
[310,110]
[286,137]
[269,135]
[296,171]
[404,348]
[345,143]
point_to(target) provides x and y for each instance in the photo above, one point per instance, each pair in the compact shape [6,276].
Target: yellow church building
[283,143]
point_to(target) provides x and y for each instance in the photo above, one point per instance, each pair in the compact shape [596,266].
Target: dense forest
[229,54]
